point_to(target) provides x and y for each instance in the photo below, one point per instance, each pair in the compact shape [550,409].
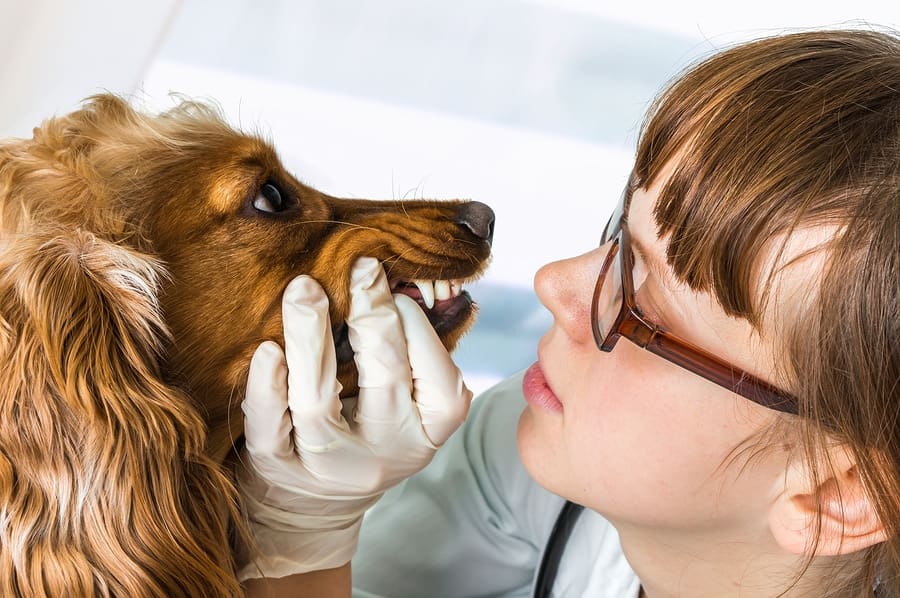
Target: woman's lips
[536,390]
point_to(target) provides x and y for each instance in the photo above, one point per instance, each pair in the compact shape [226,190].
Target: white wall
[54,53]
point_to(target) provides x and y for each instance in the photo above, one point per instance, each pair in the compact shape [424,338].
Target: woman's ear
[832,517]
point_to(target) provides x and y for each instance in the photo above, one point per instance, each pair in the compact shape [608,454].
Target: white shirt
[474,524]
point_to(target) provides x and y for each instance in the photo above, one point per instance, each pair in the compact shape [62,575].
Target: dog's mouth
[445,303]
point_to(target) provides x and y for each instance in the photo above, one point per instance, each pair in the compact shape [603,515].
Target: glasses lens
[608,301]
[614,225]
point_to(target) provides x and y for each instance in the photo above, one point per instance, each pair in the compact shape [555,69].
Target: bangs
[752,132]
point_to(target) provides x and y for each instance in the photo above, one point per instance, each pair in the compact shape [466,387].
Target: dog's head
[142,261]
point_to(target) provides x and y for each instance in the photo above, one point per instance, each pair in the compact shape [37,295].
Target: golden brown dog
[142,260]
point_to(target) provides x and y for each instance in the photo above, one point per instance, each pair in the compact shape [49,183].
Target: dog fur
[137,277]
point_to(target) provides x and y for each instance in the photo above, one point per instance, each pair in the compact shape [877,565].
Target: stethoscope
[556,545]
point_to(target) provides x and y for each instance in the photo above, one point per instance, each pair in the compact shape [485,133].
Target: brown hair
[770,136]
[106,484]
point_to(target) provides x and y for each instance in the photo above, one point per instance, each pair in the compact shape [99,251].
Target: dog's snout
[478,218]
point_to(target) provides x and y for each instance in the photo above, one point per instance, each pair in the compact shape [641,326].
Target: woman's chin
[536,443]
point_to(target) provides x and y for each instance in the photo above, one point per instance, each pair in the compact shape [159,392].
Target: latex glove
[312,465]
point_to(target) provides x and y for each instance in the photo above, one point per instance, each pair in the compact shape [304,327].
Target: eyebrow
[637,246]
[649,259]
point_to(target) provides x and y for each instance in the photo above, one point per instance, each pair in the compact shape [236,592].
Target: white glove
[312,465]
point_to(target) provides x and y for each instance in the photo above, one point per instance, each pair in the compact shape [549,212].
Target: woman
[719,388]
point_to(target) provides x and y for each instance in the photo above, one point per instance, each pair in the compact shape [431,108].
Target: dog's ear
[104,486]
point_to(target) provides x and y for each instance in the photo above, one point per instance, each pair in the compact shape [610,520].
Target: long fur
[104,480]
[134,285]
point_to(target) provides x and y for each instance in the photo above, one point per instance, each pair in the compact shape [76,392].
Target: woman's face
[630,434]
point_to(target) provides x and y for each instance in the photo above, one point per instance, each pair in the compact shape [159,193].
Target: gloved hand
[312,466]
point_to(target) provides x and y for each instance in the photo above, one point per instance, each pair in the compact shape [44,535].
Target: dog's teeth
[442,290]
[455,288]
[426,287]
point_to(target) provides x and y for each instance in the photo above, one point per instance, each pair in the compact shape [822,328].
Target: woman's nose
[566,288]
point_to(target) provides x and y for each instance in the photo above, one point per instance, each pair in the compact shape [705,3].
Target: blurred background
[531,106]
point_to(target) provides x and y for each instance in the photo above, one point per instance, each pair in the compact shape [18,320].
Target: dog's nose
[478,218]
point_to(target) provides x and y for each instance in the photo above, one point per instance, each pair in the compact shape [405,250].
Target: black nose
[478,218]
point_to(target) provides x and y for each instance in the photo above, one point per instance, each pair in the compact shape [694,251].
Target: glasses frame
[631,324]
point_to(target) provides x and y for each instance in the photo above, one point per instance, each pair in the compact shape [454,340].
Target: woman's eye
[268,199]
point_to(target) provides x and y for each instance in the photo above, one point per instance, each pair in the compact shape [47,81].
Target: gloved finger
[439,391]
[313,389]
[376,335]
[267,420]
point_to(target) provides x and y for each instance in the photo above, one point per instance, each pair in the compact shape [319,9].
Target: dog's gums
[143,260]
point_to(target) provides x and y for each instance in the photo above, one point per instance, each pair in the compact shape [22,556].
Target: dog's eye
[268,199]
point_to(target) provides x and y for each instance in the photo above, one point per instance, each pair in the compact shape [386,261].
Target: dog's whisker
[402,256]
[346,231]
[350,225]
[390,262]
[464,242]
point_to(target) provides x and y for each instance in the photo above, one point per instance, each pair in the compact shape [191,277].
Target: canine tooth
[441,290]
[426,287]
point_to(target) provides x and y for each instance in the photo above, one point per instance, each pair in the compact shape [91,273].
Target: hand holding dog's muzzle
[314,464]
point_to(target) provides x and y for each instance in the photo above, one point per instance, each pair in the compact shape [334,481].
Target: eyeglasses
[615,314]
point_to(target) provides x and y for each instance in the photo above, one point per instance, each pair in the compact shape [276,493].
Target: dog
[142,261]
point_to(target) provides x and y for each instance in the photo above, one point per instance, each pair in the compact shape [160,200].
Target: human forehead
[643,228]
[784,279]
[695,316]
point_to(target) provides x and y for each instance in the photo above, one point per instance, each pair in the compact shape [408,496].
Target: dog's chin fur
[136,280]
